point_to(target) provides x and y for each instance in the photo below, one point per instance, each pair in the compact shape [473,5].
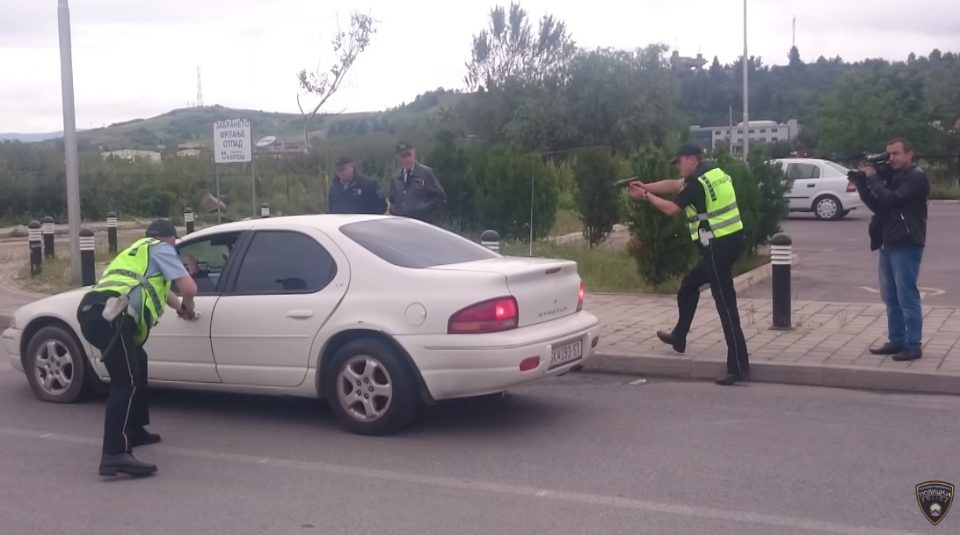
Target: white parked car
[821,187]
[376,314]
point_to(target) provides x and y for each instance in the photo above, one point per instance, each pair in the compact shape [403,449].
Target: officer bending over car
[116,316]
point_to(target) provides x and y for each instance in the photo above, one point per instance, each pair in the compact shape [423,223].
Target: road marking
[924,292]
[639,382]
[492,487]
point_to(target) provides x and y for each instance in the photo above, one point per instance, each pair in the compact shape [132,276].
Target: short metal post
[188,219]
[112,231]
[48,231]
[87,254]
[491,240]
[36,248]
[265,210]
[781,258]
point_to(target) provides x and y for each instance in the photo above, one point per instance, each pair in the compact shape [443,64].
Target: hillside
[195,125]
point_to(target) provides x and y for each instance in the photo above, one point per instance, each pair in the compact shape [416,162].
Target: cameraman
[897,194]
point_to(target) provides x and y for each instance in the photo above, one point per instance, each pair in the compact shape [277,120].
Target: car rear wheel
[369,387]
[56,366]
[828,208]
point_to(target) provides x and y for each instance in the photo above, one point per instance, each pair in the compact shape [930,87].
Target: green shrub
[660,245]
[595,169]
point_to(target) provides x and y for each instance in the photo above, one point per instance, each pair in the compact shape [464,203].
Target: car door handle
[300,314]
[811,185]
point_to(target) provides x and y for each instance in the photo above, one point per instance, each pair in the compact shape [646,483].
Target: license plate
[566,353]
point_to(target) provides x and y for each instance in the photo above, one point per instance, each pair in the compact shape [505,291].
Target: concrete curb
[783,373]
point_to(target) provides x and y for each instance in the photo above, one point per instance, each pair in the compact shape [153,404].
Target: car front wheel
[370,388]
[55,367]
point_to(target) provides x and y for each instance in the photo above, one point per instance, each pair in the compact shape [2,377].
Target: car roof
[318,221]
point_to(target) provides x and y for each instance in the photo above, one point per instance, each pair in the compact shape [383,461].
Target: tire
[56,367]
[370,388]
[828,208]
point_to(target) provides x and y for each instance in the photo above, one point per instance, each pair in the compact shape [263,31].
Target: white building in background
[132,154]
[758,132]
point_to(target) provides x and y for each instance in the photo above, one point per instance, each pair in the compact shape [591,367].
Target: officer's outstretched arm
[664,186]
[188,290]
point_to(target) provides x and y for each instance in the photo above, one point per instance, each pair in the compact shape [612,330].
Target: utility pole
[70,137]
[746,90]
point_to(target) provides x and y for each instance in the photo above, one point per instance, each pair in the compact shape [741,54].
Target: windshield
[408,243]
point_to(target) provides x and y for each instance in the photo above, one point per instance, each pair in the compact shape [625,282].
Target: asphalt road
[579,454]
[836,264]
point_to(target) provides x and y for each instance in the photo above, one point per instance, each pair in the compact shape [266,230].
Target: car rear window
[409,243]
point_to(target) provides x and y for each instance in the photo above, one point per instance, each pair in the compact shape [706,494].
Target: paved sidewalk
[827,346]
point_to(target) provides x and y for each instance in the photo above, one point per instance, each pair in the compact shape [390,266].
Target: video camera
[879,161]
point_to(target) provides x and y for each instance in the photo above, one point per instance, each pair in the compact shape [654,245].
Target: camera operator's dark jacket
[361,195]
[898,200]
[419,196]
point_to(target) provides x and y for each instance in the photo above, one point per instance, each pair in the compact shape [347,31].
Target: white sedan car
[376,314]
[821,187]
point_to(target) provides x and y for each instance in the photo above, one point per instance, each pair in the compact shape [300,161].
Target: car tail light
[494,315]
[851,187]
[583,292]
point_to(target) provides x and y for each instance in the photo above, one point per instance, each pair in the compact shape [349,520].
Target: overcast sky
[139,58]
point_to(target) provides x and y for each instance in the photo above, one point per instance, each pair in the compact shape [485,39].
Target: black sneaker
[908,354]
[886,349]
[678,345]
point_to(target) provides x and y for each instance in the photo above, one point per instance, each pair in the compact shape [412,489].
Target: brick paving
[824,334]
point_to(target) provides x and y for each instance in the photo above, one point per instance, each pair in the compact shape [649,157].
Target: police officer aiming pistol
[116,316]
[707,197]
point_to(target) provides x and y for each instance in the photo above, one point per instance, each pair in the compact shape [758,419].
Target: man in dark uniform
[707,196]
[415,191]
[353,193]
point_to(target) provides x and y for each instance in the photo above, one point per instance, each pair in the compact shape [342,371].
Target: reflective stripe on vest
[722,213]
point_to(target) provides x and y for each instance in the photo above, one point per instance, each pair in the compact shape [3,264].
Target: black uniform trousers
[716,268]
[127,404]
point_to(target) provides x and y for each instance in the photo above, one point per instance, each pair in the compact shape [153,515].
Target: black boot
[886,349]
[126,463]
[668,338]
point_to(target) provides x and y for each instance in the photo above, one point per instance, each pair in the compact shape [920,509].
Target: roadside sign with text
[231,141]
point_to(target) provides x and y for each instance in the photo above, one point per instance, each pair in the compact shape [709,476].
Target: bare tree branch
[347,46]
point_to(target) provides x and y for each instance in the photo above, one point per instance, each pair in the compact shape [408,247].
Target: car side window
[206,259]
[801,171]
[279,262]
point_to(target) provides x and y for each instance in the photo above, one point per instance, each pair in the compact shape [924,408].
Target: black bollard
[48,234]
[491,240]
[87,254]
[188,219]
[781,257]
[36,248]
[265,210]
[112,231]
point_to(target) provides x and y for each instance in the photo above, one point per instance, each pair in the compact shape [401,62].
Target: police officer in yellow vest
[116,316]
[709,202]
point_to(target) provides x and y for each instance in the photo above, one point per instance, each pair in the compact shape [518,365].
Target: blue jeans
[899,272]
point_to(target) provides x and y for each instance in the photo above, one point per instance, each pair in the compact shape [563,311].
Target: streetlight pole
[746,91]
[70,137]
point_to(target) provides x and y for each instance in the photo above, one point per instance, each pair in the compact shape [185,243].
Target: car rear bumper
[11,343]
[455,366]
[851,201]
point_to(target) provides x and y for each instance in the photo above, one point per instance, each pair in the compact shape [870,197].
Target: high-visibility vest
[128,271]
[722,214]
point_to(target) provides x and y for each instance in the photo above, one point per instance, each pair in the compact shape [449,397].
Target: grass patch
[55,276]
[945,190]
[566,222]
[610,270]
